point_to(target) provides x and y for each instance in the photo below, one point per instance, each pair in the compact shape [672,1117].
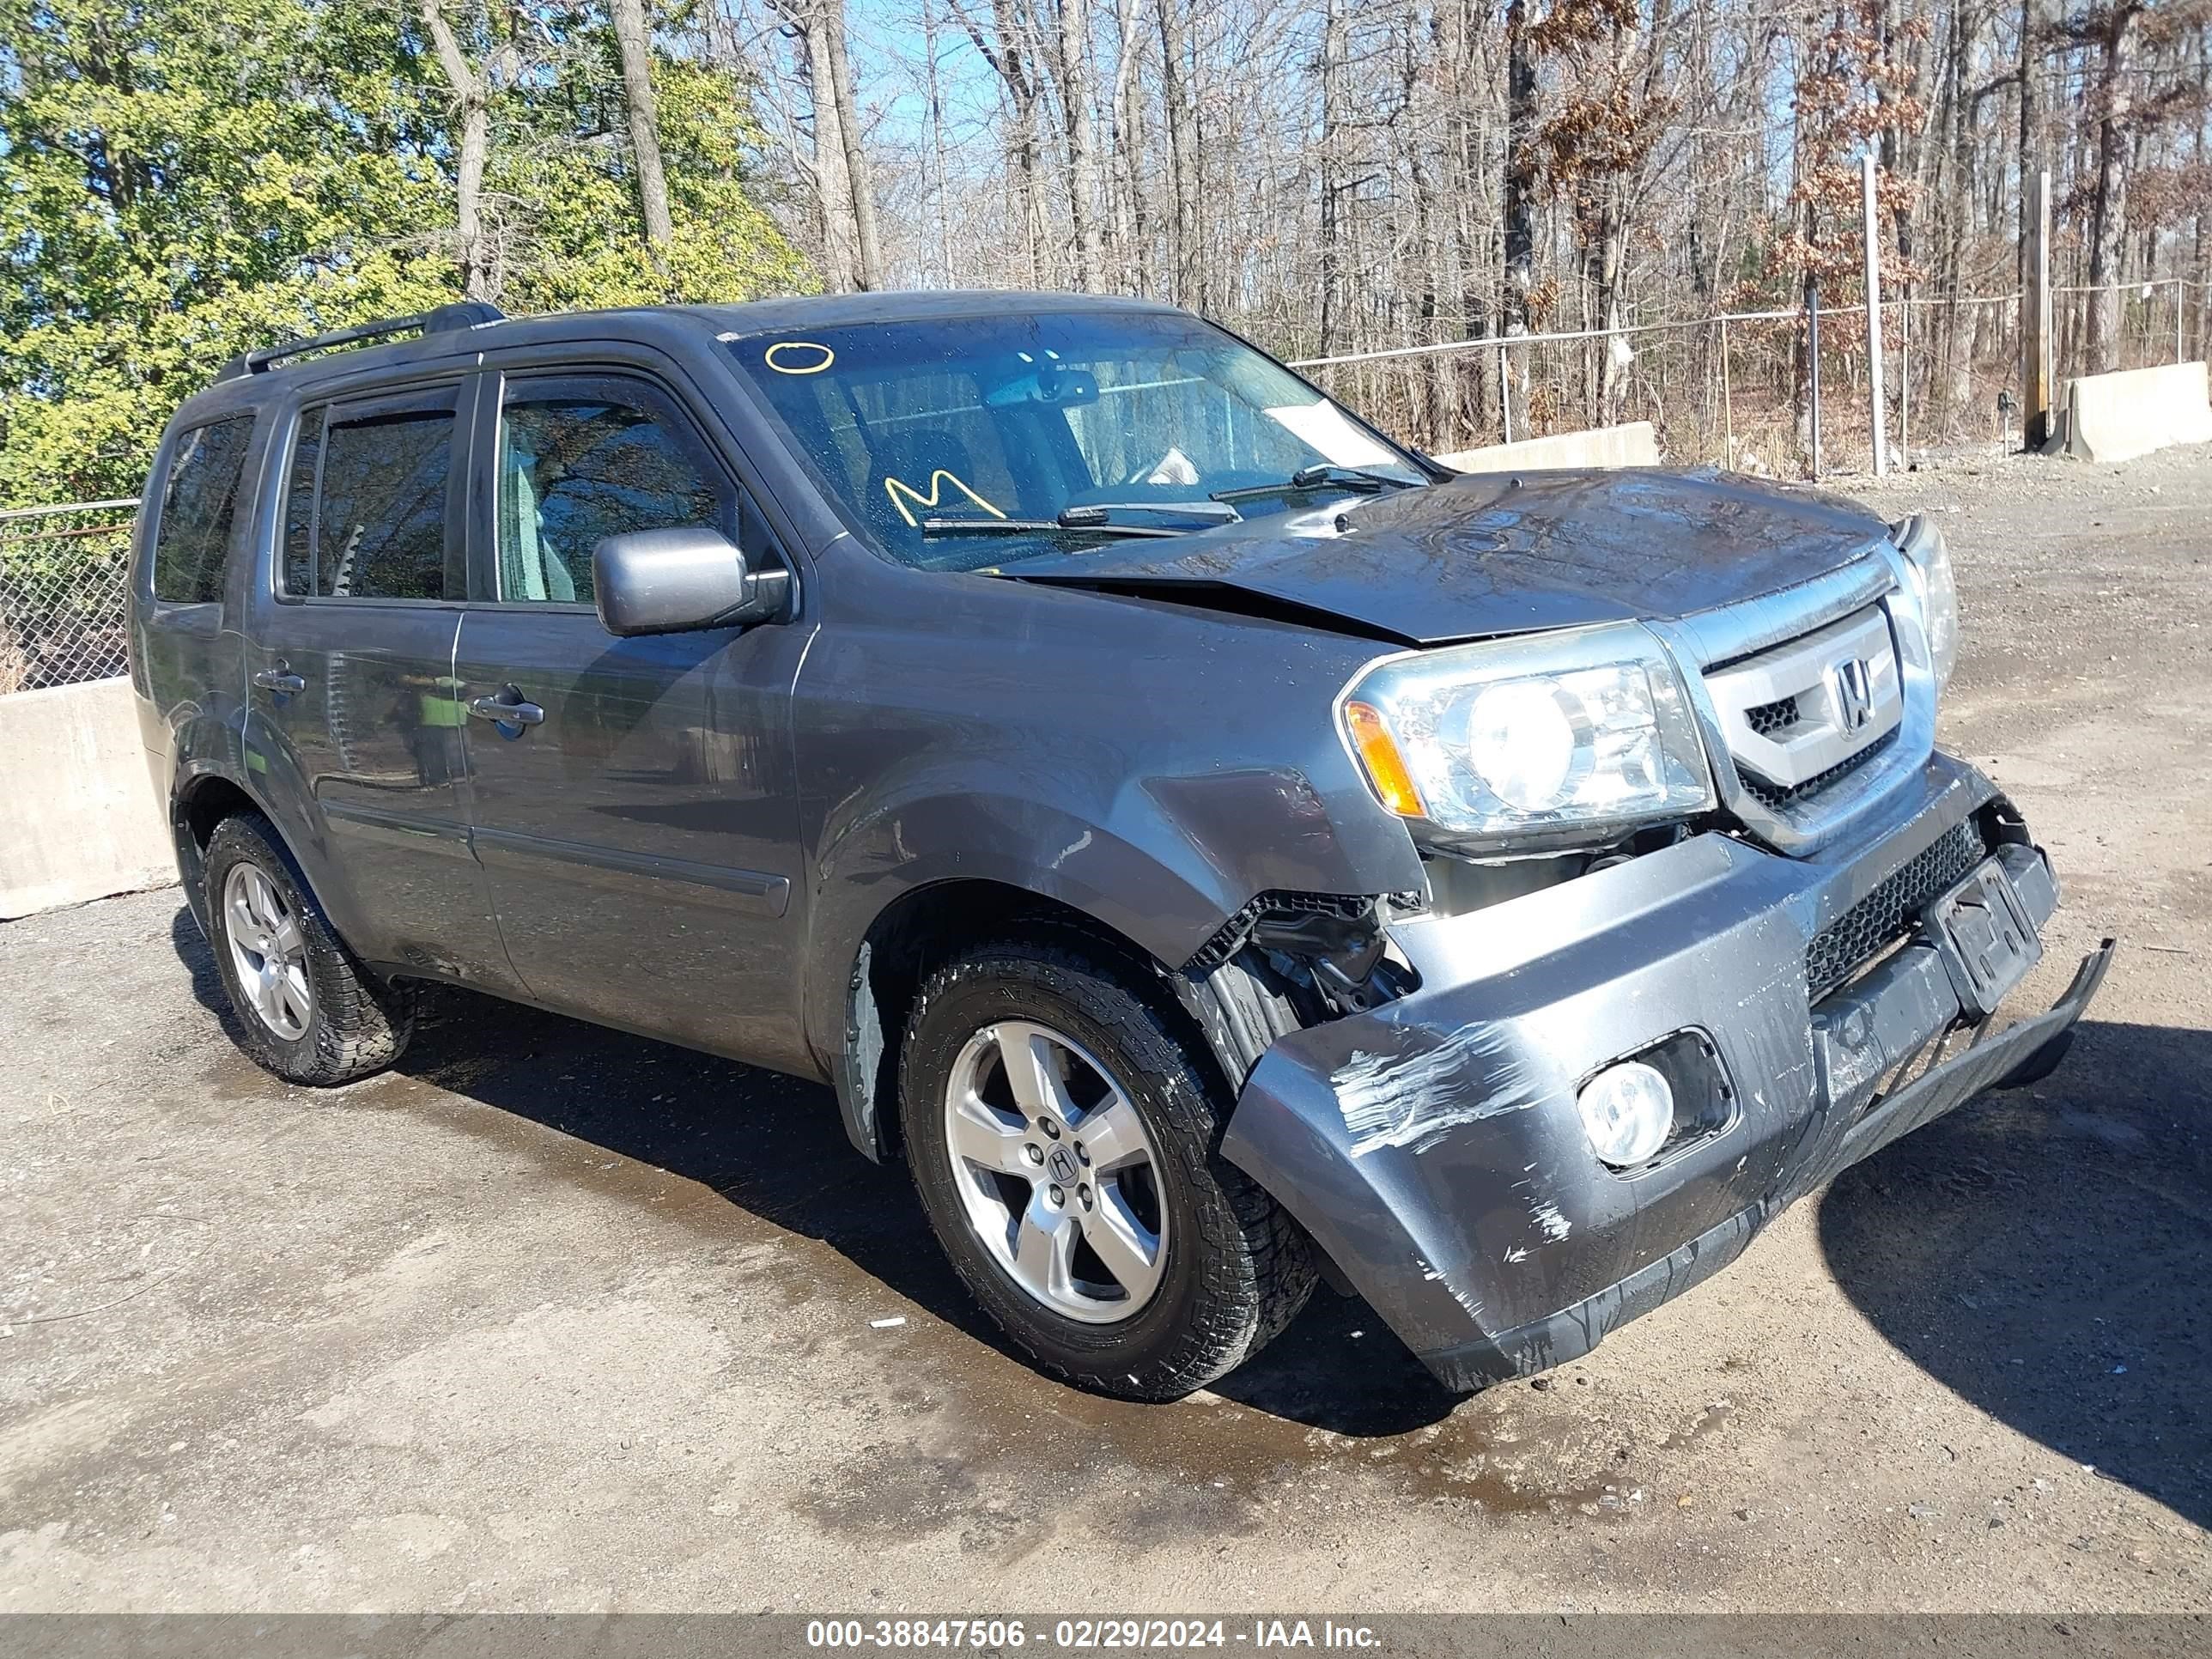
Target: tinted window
[198,505]
[581,459]
[380,522]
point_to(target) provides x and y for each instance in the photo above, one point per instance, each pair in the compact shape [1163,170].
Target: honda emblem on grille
[1854,688]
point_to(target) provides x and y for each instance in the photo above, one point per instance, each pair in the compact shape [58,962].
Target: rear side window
[366,517]
[198,503]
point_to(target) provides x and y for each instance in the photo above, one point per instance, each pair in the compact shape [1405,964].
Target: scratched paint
[1412,1101]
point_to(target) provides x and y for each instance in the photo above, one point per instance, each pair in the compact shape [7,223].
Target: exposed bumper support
[1433,1147]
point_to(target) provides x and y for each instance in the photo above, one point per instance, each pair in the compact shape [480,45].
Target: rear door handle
[281,680]
[502,711]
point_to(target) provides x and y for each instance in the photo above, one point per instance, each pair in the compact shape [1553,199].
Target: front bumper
[1432,1149]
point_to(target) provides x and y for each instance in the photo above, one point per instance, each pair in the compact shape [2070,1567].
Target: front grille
[1774,798]
[1772,717]
[1796,718]
[1892,910]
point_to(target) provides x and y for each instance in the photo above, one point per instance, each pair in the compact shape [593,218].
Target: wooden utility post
[2035,317]
[1873,241]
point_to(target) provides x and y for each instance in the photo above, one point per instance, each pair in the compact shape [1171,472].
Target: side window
[582,459]
[198,505]
[367,516]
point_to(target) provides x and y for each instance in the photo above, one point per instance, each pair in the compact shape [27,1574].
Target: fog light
[1627,1110]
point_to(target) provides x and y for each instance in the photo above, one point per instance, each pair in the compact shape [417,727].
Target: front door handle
[507,708]
[281,680]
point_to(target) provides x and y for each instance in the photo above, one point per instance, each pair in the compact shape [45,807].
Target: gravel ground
[556,1318]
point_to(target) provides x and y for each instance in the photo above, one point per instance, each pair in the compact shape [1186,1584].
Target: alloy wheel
[1055,1172]
[269,951]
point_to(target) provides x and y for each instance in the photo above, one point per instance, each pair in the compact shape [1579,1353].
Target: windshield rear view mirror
[671,582]
[1052,386]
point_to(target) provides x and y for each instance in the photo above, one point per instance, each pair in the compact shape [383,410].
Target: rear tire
[307,1010]
[1229,1268]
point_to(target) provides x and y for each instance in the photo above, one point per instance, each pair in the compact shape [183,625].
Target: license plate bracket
[1987,939]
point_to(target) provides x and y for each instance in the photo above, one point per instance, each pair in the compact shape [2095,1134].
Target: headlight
[1927,557]
[1555,738]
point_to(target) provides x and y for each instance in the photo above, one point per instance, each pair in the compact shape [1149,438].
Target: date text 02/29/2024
[1085,1635]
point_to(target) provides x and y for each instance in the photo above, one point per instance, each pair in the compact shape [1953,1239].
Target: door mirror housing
[671,582]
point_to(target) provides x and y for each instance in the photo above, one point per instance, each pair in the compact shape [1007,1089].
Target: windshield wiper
[1322,475]
[1093,513]
[982,526]
[1091,516]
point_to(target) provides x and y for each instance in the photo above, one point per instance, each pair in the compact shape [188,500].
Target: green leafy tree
[180,182]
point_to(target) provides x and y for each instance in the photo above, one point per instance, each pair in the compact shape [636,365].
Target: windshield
[923,428]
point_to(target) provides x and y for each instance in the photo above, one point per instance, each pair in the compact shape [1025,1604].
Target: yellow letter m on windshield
[901,492]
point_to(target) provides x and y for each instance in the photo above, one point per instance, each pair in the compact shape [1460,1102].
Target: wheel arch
[197,803]
[921,928]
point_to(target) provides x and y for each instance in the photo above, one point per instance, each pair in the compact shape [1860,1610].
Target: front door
[354,734]
[631,800]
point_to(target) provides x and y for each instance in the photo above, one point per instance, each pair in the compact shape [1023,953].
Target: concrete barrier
[81,820]
[2117,417]
[1634,444]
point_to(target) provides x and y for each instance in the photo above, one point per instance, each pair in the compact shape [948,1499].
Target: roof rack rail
[440,320]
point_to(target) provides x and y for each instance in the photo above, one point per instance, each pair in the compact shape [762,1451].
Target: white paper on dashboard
[1324,425]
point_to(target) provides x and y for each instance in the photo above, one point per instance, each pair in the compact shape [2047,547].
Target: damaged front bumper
[1433,1147]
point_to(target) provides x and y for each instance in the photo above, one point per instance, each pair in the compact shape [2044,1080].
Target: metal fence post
[2035,317]
[1812,362]
[1904,380]
[1871,238]
[1504,395]
[2178,302]
[1728,405]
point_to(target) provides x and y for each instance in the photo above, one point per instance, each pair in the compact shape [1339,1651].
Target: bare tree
[633,39]
[471,90]
[2109,30]
[1340,177]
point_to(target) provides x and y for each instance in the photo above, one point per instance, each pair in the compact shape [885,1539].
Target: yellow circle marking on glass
[827,356]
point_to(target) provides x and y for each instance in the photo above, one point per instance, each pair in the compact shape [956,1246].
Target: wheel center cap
[1060,1164]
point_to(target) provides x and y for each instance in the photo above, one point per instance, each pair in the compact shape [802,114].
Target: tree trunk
[633,37]
[1182,155]
[2108,217]
[869,270]
[842,268]
[2034,145]
[941,199]
[1128,234]
[1332,256]
[1519,201]
[472,95]
[1082,161]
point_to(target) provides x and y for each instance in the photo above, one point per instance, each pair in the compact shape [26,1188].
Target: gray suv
[1215,847]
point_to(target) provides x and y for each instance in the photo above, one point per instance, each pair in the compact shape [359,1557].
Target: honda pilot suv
[1215,847]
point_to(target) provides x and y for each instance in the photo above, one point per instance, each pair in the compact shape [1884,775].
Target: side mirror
[670,581]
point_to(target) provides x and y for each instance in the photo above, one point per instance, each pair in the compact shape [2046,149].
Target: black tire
[359,1024]
[1237,1268]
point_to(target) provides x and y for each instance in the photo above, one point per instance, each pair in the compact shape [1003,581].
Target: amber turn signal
[1385,767]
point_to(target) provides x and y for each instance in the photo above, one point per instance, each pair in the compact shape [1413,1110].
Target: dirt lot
[556,1318]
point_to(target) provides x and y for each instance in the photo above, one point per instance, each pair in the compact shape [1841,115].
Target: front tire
[308,1010]
[1062,1128]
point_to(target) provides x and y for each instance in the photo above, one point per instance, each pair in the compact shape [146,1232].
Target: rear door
[356,727]
[635,812]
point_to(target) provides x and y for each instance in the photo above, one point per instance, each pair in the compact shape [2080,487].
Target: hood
[1493,554]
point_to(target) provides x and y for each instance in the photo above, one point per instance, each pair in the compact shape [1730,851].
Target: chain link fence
[64,584]
[1737,389]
